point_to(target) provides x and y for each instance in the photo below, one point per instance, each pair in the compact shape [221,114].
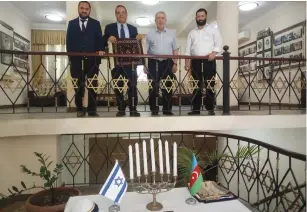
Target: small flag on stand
[196,178]
[116,185]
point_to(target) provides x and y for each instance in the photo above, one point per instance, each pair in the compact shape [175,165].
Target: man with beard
[161,41]
[122,30]
[84,35]
[204,40]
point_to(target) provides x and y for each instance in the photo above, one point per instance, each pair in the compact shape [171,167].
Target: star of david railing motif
[100,85]
[115,82]
[63,83]
[279,84]
[213,84]
[168,80]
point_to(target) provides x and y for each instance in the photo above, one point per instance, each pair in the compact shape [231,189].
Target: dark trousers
[90,69]
[205,81]
[160,70]
[125,72]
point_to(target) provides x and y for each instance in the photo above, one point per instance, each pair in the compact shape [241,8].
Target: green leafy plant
[209,161]
[45,173]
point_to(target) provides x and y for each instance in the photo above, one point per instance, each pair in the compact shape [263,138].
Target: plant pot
[41,201]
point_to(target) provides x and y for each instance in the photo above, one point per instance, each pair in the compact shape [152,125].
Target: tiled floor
[61,112]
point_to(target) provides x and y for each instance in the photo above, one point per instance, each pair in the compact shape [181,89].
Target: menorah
[154,187]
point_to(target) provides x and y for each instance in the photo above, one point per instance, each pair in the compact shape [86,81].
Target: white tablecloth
[173,200]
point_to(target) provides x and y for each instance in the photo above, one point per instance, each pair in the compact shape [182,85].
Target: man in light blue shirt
[161,41]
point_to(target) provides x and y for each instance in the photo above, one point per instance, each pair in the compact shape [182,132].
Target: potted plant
[51,198]
[208,162]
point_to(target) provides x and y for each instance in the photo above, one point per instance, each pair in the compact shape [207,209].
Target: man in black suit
[112,32]
[84,35]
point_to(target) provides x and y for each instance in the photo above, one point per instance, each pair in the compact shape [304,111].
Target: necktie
[83,26]
[122,32]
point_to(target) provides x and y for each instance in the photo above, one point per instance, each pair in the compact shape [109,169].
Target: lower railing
[53,83]
[269,178]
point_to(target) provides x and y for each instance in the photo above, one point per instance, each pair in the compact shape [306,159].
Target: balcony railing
[269,178]
[264,84]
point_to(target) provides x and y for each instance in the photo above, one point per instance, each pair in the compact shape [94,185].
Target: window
[60,64]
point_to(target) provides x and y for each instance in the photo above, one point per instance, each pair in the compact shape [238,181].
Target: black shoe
[120,113]
[153,113]
[168,113]
[93,114]
[192,113]
[80,114]
[135,114]
[211,113]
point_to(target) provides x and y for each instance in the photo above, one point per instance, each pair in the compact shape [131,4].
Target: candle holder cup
[154,188]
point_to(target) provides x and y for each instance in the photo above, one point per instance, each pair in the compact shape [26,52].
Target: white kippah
[84,205]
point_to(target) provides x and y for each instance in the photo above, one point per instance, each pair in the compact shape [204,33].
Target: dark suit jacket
[111,30]
[92,36]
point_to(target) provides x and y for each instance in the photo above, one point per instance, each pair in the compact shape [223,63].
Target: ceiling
[35,10]
[138,9]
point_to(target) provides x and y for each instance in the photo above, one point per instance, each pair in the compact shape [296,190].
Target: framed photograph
[260,45]
[260,62]
[267,72]
[267,43]
[128,46]
[278,41]
[267,54]
[6,44]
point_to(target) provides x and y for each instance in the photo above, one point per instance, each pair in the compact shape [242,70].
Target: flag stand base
[154,206]
[191,201]
[114,208]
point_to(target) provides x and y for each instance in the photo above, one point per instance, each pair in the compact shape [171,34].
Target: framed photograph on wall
[248,50]
[6,44]
[267,43]
[290,43]
[267,54]
[259,45]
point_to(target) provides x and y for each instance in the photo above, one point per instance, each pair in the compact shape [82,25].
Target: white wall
[284,16]
[19,150]
[21,24]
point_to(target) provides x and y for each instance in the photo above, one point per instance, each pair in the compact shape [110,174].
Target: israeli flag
[116,185]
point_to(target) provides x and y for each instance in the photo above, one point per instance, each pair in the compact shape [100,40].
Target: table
[173,200]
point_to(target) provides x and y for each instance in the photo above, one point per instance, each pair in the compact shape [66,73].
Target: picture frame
[267,54]
[260,45]
[128,46]
[6,44]
[290,43]
[267,43]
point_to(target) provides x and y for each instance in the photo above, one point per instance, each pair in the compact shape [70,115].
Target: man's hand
[101,53]
[145,69]
[112,39]
[187,67]
[212,56]
[138,37]
[174,69]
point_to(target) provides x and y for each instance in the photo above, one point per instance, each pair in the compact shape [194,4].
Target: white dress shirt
[202,42]
[85,23]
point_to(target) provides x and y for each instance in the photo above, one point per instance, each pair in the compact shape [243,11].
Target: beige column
[228,24]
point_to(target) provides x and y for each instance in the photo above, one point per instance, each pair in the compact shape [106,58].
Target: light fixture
[150,2]
[247,6]
[142,21]
[54,17]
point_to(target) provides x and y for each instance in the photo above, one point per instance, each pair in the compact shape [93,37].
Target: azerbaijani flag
[196,177]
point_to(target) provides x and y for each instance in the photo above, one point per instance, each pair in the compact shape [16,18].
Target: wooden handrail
[152,56]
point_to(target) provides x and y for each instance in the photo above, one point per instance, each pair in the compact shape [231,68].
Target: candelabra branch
[154,188]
